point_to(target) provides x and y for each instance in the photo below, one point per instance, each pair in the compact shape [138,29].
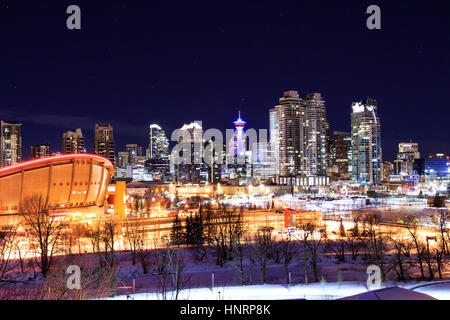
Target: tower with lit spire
[239,138]
[238,158]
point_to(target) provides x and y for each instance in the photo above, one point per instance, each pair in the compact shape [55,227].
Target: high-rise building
[73,141]
[288,116]
[133,153]
[264,161]
[407,153]
[387,169]
[40,151]
[366,143]
[123,159]
[315,128]
[104,142]
[437,165]
[300,137]
[10,143]
[159,144]
[273,138]
[186,158]
[340,151]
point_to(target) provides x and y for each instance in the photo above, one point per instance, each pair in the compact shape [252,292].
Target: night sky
[134,63]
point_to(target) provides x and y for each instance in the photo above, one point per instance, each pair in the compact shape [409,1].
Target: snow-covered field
[315,291]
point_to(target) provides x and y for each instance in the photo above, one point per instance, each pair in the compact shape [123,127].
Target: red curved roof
[43,161]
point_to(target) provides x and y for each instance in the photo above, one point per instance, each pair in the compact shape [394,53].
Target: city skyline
[404,66]
[26,154]
[234,153]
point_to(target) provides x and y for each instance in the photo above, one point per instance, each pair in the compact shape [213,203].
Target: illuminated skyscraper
[341,154]
[73,141]
[286,123]
[40,151]
[104,141]
[133,153]
[407,153]
[315,132]
[11,143]
[366,143]
[273,140]
[123,159]
[299,134]
[158,147]
[187,162]
[157,154]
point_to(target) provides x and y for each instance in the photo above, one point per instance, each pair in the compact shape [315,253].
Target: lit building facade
[315,137]
[104,142]
[437,166]
[408,152]
[289,116]
[73,142]
[10,143]
[300,138]
[264,161]
[366,143]
[387,169]
[187,164]
[133,153]
[69,183]
[157,160]
[340,155]
[274,136]
[159,144]
[40,151]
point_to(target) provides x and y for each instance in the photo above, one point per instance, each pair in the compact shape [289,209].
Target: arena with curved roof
[70,183]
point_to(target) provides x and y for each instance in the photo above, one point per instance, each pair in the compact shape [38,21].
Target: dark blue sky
[139,62]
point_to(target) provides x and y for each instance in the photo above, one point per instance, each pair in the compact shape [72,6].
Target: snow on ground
[440,291]
[314,291]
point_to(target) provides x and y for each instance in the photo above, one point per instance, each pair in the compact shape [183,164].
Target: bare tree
[133,237]
[102,237]
[108,238]
[250,256]
[429,258]
[94,283]
[439,261]
[142,251]
[8,243]
[411,226]
[172,278]
[45,231]
[312,242]
[79,232]
[289,250]
[444,230]
[223,227]
[375,242]
[239,253]
[355,246]
[264,243]
[402,247]
[338,248]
